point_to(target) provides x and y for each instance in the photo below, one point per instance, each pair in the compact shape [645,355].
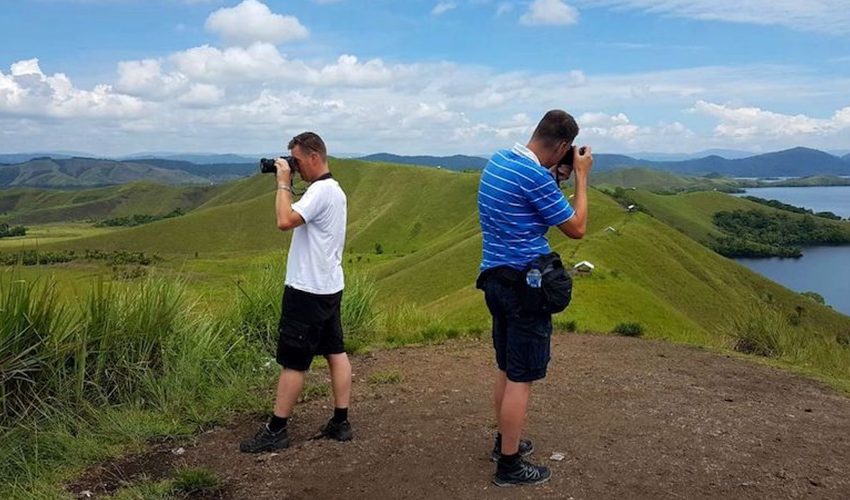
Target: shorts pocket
[297,335]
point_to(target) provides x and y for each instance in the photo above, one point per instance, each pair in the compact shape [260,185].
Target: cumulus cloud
[27,91]
[752,122]
[145,79]
[596,126]
[245,98]
[252,21]
[262,62]
[549,13]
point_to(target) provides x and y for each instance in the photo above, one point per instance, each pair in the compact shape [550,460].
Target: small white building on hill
[584,267]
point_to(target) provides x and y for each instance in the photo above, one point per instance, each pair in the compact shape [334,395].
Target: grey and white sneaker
[522,473]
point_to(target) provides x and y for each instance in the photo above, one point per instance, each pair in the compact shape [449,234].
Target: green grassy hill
[402,208]
[38,206]
[661,181]
[88,172]
[425,221]
[692,213]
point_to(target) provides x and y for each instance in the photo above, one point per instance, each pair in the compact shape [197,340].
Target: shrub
[763,331]
[815,297]
[385,377]
[565,325]
[629,329]
[195,482]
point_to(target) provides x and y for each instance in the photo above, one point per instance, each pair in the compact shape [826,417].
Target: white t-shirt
[314,263]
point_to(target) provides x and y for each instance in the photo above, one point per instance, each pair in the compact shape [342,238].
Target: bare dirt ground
[633,418]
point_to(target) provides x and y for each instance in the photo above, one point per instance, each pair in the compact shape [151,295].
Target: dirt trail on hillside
[633,418]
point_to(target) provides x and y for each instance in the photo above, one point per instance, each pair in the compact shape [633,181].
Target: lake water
[825,270]
[834,199]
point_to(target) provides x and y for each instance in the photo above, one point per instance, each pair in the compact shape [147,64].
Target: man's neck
[323,173]
[537,149]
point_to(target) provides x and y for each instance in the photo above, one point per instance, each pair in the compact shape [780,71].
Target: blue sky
[114,77]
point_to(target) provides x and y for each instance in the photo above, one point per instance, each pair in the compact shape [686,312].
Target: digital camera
[267,164]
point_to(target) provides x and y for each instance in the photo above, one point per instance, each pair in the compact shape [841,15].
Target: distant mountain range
[729,154]
[76,172]
[455,162]
[91,172]
[199,158]
[796,162]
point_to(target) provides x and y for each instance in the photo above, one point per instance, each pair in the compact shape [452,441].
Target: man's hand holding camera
[284,172]
[578,160]
[582,161]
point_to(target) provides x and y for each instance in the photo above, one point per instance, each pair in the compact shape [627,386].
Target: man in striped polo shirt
[518,201]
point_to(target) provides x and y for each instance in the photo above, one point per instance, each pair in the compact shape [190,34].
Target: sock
[509,461]
[277,424]
[340,415]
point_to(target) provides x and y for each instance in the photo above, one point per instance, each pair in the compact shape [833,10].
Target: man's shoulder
[329,185]
[508,158]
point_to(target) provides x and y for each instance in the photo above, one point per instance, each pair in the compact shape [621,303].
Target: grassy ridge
[692,213]
[661,181]
[426,223]
[36,206]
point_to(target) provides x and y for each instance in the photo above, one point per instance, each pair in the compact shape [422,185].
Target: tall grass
[258,301]
[130,361]
[762,330]
[258,305]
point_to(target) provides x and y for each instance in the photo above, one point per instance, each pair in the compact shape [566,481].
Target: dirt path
[634,419]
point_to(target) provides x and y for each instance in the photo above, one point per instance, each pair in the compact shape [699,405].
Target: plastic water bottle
[534,278]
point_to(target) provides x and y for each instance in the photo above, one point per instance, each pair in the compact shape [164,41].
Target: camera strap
[323,177]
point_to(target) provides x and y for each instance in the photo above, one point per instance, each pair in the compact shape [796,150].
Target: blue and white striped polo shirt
[518,200]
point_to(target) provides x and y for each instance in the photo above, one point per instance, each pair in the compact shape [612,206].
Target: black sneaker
[523,472]
[265,440]
[338,431]
[526,448]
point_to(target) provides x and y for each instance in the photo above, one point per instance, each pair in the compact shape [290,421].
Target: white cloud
[27,91]
[145,79]
[827,16]
[252,21]
[244,99]
[262,62]
[202,95]
[443,7]
[549,13]
[741,123]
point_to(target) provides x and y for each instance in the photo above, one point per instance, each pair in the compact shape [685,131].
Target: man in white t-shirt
[310,322]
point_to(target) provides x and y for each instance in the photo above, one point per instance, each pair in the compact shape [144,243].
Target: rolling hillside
[39,206]
[659,180]
[88,172]
[455,162]
[692,213]
[425,222]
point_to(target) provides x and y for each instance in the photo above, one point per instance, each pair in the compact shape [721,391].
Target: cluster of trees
[138,219]
[115,258]
[760,234]
[624,198]
[7,231]
[791,208]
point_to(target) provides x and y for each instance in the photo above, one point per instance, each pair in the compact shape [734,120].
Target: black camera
[567,160]
[267,164]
